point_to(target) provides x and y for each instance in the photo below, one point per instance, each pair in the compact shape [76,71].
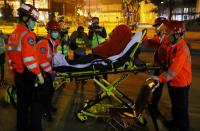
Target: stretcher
[124,63]
[124,107]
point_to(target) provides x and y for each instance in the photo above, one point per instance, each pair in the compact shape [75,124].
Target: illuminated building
[146,15]
[42,5]
[108,10]
[112,11]
[47,7]
[184,10]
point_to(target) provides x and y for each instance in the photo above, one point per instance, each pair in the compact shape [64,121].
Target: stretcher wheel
[81,117]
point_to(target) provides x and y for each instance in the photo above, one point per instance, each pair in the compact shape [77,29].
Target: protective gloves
[153,82]
[40,79]
[155,78]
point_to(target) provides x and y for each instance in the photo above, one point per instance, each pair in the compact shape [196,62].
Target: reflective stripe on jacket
[21,50]
[179,73]
[45,54]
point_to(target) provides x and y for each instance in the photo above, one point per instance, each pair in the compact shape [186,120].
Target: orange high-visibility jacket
[22,50]
[162,48]
[179,73]
[45,49]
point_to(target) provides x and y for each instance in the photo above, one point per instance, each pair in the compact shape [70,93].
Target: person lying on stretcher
[120,37]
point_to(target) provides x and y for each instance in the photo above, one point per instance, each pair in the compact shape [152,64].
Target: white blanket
[59,59]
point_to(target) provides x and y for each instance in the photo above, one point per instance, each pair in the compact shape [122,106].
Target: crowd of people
[31,63]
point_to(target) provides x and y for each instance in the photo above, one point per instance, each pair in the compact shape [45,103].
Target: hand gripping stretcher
[122,63]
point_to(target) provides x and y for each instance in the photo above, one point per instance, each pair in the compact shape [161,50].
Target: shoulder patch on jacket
[31,41]
[43,50]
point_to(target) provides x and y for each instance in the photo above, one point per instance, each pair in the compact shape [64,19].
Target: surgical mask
[31,24]
[55,35]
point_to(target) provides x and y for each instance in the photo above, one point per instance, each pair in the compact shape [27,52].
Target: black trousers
[2,64]
[2,72]
[179,99]
[47,93]
[28,107]
[156,96]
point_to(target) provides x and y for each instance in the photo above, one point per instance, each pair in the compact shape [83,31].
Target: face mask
[172,39]
[55,35]
[31,24]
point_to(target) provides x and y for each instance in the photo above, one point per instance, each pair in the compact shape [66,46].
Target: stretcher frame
[110,89]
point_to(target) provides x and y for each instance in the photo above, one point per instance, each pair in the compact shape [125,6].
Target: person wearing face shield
[23,62]
[45,49]
[179,78]
[160,43]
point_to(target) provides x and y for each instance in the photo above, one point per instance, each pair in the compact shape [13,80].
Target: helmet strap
[24,22]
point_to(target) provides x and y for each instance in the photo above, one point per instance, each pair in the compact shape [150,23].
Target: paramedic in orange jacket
[179,78]
[23,62]
[160,43]
[46,48]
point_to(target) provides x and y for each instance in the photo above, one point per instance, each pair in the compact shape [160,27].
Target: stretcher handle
[144,31]
[152,83]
